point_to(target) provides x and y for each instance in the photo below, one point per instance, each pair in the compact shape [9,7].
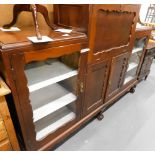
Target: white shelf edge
[135,50]
[52,127]
[48,82]
[128,79]
[132,66]
[85,50]
[53,106]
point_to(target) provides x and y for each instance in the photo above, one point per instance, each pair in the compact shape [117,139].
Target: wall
[25,18]
[143,11]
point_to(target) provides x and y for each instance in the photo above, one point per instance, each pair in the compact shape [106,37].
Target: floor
[128,125]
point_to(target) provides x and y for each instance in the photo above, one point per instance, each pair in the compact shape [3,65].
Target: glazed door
[96,81]
[117,74]
[48,94]
[135,59]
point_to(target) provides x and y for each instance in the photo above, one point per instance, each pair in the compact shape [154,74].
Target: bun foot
[100,116]
[132,90]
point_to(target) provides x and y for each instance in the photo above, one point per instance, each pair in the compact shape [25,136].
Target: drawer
[5,146]
[3,133]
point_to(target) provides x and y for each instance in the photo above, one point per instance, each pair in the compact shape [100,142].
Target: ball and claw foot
[100,116]
[132,90]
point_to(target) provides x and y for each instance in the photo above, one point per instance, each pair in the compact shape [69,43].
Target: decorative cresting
[109,36]
[34,8]
[105,75]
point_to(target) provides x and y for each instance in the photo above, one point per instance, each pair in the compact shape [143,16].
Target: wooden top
[4,89]
[19,38]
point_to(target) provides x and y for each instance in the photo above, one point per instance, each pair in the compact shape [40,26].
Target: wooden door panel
[96,80]
[109,33]
[117,74]
[112,27]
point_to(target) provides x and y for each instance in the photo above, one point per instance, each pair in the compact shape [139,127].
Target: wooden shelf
[41,74]
[131,66]
[52,122]
[49,99]
[138,49]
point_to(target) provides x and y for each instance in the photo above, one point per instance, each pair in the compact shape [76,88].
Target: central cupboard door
[117,74]
[96,81]
[48,94]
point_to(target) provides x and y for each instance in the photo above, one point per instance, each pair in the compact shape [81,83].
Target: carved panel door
[96,81]
[117,74]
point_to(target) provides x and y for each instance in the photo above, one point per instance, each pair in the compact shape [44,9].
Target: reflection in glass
[134,60]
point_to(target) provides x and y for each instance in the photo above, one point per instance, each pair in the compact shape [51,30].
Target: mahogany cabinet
[46,83]
[60,85]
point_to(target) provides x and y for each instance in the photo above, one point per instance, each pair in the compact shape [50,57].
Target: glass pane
[52,85]
[134,59]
